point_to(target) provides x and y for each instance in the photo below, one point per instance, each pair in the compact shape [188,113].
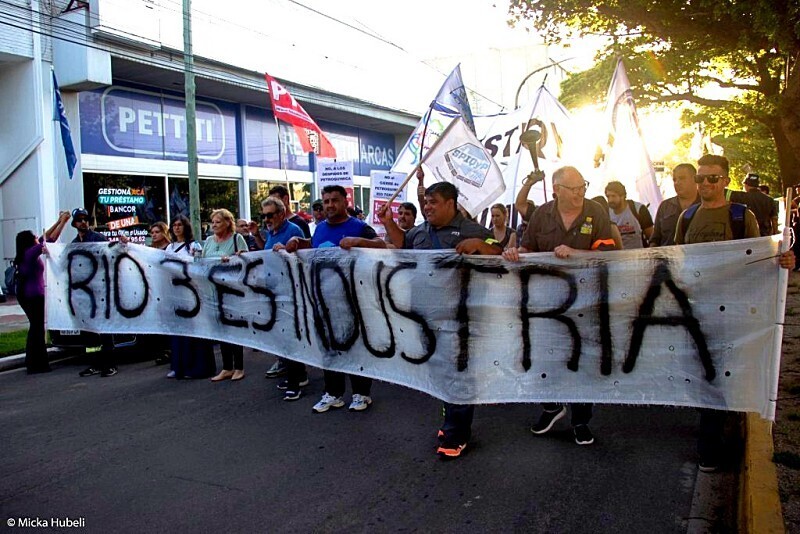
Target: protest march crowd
[703,210]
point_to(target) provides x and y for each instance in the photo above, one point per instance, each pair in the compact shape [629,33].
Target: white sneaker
[327,402]
[360,403]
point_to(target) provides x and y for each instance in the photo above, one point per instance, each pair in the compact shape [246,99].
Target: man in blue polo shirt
[337,230]
[279,230]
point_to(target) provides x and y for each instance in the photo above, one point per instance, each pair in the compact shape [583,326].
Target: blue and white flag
[450,102]
[66,135]
[452,98]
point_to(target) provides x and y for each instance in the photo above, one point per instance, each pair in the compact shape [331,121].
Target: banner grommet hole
[722,308]
[748,251]
[544,375]
[727,373]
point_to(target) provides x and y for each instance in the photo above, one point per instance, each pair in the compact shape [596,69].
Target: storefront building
[133,153]
[122,94]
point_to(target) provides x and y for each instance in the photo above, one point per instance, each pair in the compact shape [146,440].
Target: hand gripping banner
[683,326]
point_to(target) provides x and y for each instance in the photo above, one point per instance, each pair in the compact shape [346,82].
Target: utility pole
[191,119]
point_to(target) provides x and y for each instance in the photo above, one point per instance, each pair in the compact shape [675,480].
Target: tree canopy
[736,61]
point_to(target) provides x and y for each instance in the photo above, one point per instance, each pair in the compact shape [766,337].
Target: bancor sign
[148,124]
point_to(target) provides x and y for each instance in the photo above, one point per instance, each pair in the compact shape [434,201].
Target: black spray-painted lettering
[556,314]
[265,291]
[82,285]
[186,282]
[223,289]
[663,276]
[352,321]
[462,314]
[389,351]
[145,287]
[429,343]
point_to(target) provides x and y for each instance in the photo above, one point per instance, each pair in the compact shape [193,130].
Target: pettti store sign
[119,121]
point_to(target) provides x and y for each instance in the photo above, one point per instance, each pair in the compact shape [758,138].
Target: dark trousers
[232,356]
[581,412]
[105,359]
[712,427]
[296,373]
[457,425]
[335,384]
[35,349]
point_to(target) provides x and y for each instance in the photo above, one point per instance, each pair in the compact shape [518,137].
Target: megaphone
[530,139]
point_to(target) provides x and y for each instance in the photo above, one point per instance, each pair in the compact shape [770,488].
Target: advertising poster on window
[383,184]
[332,172]
[122,204]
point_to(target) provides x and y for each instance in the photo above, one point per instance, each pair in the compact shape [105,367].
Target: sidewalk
[11,316]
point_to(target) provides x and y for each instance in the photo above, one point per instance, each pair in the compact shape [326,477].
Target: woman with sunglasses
[191,357]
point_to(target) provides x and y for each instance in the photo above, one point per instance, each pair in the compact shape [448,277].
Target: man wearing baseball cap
[103,363]
[762,206]
[80,221]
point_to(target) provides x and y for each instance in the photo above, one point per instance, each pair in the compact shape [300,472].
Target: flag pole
[422,159]
[280,151]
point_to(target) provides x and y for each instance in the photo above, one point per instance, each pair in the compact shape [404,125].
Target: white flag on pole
[459,158]
[625,157]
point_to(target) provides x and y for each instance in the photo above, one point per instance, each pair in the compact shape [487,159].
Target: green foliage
[728,59]
[13,342]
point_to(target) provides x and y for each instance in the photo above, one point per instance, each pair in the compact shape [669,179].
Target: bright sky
[373,51]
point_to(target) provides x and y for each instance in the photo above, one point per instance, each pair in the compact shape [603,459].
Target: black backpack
[736,211]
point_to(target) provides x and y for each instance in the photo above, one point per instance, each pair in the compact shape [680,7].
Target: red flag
[287,109]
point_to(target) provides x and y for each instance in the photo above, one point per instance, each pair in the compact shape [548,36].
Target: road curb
[759,500]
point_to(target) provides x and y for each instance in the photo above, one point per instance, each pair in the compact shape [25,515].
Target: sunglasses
[317,208]
[81,219]
[268,216]
[712,178]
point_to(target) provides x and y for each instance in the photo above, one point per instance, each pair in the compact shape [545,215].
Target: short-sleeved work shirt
[591,230]
[421,237]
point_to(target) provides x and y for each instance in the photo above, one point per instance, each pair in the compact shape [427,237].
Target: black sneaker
[583,436]
[547,420]
[284,384]
[89,371]
[109,372]
[290,395]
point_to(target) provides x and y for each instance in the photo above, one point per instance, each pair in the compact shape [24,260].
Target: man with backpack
[715,219]
[632,218]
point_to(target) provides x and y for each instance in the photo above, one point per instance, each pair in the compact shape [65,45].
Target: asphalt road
[140,453]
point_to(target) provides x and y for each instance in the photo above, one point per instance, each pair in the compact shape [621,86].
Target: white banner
[678,326]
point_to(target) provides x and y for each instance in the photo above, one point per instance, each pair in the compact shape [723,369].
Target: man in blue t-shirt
[337,230]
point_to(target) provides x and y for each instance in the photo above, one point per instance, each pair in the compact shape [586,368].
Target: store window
[299,193]
[214,194]
[124,203]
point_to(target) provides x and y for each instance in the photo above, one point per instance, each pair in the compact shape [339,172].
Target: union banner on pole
[459,158]
[287,109]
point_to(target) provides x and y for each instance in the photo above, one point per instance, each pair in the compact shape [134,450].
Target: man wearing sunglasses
[716,220]
[564,226]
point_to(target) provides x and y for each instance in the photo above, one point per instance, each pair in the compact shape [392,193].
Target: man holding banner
[337,230]
[564,226]
[445,228]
